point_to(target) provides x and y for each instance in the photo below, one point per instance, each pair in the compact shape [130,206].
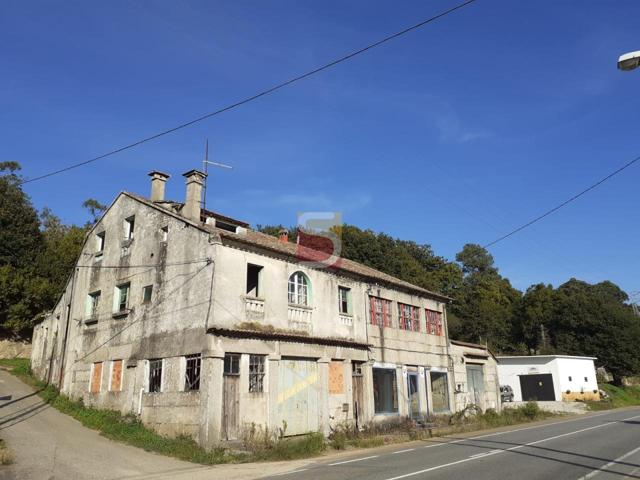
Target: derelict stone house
[201,325]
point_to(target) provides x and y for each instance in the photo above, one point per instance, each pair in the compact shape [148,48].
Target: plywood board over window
[336,378]
[116,376]
[96,377]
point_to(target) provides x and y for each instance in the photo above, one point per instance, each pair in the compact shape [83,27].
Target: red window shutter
[372,302]
[385,313]
[416,319]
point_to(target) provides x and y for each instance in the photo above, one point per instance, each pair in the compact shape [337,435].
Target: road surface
[600,446]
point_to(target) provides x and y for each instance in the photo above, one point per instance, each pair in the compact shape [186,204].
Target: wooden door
[231,406]
[358,396]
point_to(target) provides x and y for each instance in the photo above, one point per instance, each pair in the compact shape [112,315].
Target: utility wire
[190,262]
[254,97]
[563,204]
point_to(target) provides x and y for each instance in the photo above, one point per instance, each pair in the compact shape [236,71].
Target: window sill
[255,299]
[343,314]
[98,257]
[121,313]
[90,321]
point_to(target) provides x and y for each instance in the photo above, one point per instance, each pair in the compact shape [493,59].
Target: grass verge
[128,429]
[618,397]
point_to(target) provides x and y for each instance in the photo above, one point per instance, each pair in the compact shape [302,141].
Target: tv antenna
[205,167]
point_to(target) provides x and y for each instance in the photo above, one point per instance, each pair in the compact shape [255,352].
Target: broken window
[192,373]
[232,364]
[256,373]
[439,391]
[155,375]
[356,368]
[100,237]
[115,382]
[93,303]
[96,377]
[380,311]
[434,322]
[121,298]
[409,317]
[253,280]
[385,390]
[129,225]
[344,300]
[299,289]
[146,293]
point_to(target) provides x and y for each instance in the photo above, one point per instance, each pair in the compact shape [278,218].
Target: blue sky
[455,133]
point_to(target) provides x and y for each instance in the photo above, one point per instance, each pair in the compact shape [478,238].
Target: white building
[549,377]
[203,327]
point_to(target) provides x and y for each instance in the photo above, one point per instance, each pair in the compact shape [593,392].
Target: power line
[563,204]
[254,97]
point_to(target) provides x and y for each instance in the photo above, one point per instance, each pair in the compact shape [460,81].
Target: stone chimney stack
[283,235]
[192,202]
[158,182]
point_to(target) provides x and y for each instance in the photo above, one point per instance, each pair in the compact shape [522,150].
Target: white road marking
[517,447]
[354,460]
[609,465]
[402,451]
[515,430]
[482,454]
[287,473]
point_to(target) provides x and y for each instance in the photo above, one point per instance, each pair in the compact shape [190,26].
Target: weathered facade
[203,326]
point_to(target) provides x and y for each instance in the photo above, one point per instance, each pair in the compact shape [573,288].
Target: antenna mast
[205,167]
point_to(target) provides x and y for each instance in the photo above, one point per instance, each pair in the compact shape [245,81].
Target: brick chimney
[158,182]
[192,202]
[283,235]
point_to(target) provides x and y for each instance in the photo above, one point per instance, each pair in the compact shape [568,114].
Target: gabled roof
[253,238]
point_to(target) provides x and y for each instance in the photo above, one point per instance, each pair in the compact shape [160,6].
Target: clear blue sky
[454,133]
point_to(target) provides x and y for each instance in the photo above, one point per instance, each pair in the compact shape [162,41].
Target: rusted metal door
[298,395]
[358,393]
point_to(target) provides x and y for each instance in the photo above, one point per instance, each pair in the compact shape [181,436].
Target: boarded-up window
[116,376]
[96,377]
[336,378]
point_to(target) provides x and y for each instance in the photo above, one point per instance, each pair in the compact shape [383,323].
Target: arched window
[299,289]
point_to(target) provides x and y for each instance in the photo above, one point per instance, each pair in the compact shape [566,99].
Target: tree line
[38,252]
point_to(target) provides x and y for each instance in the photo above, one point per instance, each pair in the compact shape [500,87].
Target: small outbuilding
[549,377]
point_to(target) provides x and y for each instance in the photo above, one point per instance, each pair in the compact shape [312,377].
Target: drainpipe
[66,330]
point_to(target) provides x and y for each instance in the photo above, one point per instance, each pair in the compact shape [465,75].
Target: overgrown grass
[6,457]
[128,429]
[618,397]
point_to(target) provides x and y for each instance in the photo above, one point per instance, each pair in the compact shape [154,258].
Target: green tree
[533,318]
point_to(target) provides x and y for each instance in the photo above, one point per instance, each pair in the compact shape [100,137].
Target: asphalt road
[600,446]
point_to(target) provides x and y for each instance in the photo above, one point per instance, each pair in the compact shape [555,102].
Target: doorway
[413,395]
[231,396]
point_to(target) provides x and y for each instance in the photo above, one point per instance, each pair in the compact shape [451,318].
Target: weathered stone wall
[15,349]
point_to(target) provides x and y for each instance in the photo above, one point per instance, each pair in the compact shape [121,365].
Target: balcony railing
[254,308]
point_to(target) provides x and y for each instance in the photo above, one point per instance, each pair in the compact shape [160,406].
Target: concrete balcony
[299,317]
[254,308]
